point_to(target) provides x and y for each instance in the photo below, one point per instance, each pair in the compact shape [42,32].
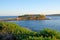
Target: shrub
[50,33]
[12,31]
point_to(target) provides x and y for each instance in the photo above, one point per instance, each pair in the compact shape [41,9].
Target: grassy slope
[12,27]
[12,31]
[8,29]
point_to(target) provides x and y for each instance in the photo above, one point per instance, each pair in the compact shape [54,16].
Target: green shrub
[50,33]
[16,32]
[13,29]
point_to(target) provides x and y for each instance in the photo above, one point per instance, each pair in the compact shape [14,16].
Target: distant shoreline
[26,17]
[29,17]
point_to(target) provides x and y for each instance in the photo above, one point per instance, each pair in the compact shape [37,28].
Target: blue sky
[21,7]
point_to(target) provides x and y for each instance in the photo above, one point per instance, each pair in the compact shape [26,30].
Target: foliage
[42,16]
[12,31]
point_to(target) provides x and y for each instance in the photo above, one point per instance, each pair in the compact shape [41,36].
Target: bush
[12,31]
[50,33]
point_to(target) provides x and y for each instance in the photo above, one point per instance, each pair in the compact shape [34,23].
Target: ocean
[37,25]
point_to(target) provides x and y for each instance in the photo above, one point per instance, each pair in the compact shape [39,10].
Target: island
[27,17]
[32,17]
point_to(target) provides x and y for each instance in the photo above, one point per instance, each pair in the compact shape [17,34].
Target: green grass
[12,31]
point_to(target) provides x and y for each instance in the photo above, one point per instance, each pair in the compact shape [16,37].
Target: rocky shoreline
[27,17]
[32,17]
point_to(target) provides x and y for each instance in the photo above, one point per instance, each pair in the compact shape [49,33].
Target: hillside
[11,31]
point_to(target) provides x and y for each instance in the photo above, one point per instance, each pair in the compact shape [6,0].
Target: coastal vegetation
[12,31]
[27,17]
[32,17]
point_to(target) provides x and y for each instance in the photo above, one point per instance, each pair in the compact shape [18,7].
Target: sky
[22,7]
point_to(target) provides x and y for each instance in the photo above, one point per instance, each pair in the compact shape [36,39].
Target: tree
[42,17]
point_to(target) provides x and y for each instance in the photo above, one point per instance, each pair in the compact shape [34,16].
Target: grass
[12,31]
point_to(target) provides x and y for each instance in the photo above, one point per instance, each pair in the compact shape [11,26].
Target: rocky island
[32,17]
[27,17]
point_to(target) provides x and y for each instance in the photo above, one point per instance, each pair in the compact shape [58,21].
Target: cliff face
[32,17]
